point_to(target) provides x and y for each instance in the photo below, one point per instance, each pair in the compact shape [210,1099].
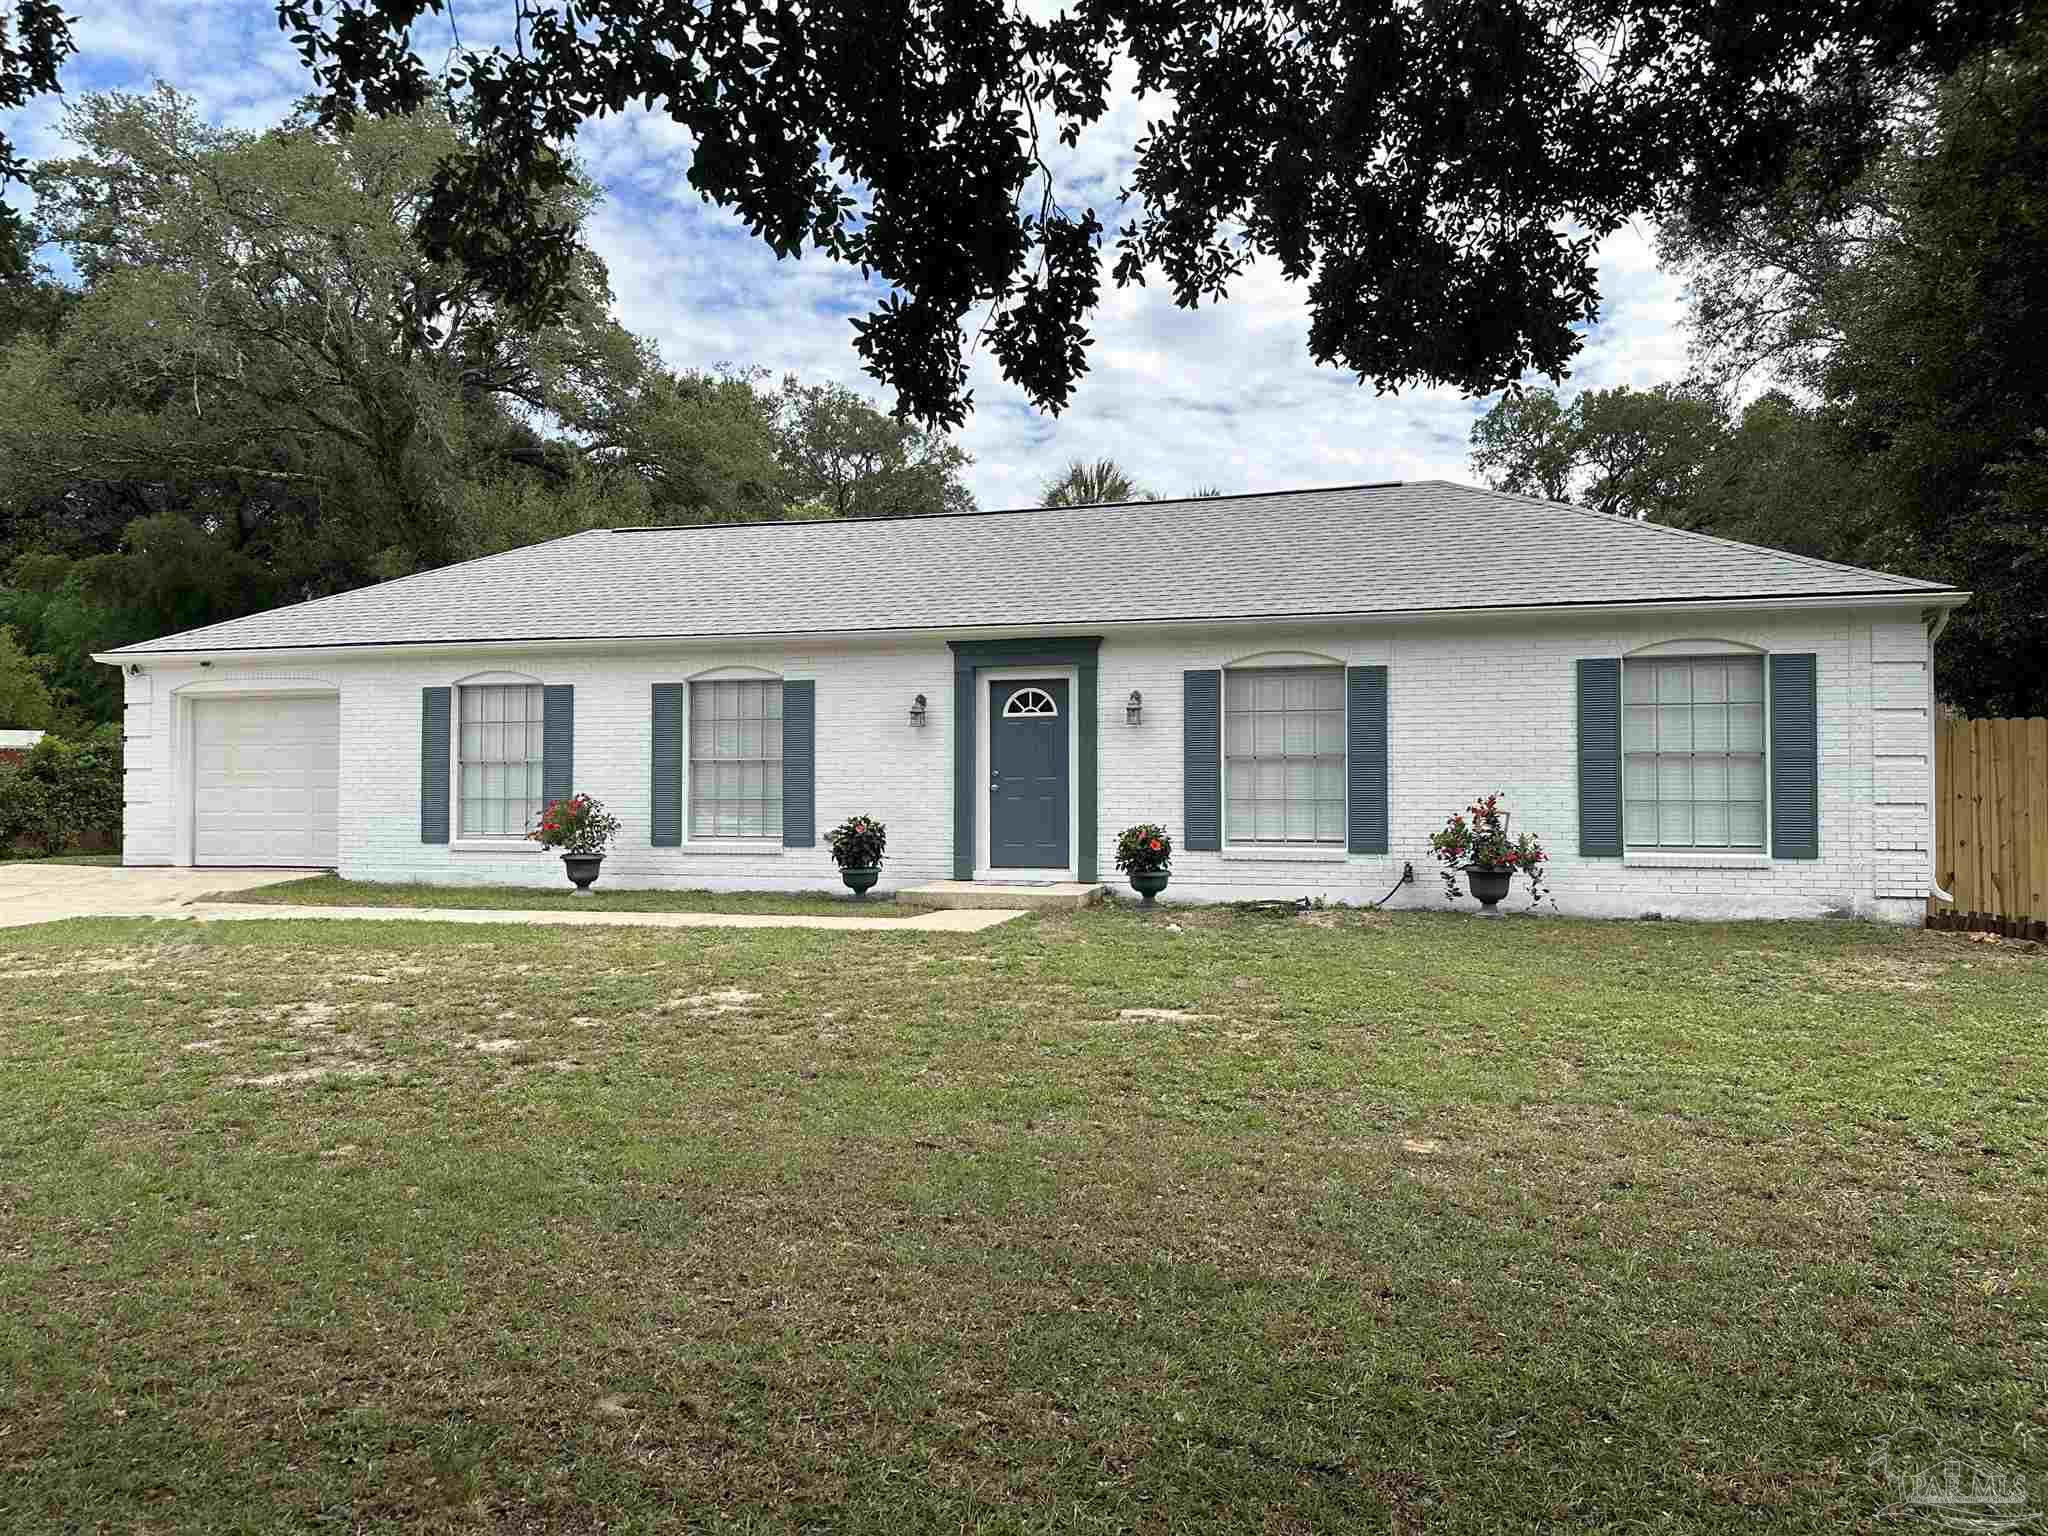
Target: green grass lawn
[98,860]
[332,891]
[1092,1222]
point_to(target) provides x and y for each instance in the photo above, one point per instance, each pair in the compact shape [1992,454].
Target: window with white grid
[1283,755]
[1693,752]
[736,759]
[499,750]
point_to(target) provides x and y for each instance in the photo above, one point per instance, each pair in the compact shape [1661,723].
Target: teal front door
[1027,792]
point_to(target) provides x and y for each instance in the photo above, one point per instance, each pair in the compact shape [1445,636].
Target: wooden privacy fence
[1991,826]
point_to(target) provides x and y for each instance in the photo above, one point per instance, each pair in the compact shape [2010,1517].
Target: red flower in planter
[1485,841]
[575,824]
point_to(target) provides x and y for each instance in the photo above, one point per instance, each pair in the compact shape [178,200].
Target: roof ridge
[1612,518]
[1081,506]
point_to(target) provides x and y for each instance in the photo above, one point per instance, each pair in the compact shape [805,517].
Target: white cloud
[1225,394]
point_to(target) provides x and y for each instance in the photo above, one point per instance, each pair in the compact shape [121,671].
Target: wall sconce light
[134,669]
[1133,707]
[917,710]
[206,664]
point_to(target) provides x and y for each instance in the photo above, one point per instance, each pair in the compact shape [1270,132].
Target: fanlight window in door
[1030,701]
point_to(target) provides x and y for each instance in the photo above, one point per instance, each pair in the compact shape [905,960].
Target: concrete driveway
[43,893]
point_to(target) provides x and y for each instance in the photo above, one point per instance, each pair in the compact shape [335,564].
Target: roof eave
[1908,597]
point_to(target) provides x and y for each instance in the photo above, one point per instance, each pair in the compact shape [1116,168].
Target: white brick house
[1301,686]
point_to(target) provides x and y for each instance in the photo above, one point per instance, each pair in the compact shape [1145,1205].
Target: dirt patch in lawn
[724,1000]
[297,1076]
[291,1044]
[1926,959]
[1880,973]
[111,963]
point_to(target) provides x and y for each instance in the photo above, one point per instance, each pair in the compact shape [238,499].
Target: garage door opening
[266,777]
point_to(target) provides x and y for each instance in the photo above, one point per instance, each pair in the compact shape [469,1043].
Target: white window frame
[1669,855]
[455,716]
[1299,849]
[753,847]
[496,842]
[713,842]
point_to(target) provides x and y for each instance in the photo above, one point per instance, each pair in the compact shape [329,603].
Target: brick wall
[1473,708]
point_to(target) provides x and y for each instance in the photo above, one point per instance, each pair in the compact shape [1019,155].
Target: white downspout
[1933,727]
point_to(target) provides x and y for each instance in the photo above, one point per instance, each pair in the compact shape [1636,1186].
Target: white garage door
[266,780]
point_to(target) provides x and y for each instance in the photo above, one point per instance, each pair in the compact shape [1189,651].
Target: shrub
[29,822]
[1144,849]
[63,793]
[857,843]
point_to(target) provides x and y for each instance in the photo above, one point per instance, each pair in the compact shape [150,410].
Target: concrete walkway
[45,893]
[928,922]
[48,893]
[1033,896]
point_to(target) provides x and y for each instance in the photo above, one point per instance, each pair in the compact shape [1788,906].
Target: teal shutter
[799,765]
[1202,760]
[665,805]
[434,711]
[1795,756]
[1365,757]
[1600,757]
[965,728]
[557,743]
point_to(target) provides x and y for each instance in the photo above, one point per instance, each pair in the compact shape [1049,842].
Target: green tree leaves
[1438,175]
[843,455]
[1637,453]
[1775,473]
[1082,484]
[24,700]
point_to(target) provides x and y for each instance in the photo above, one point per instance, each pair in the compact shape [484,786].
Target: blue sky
[1225,395]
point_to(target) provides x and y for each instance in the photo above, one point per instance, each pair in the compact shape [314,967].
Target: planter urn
[860,878]
[582,869]
[1148,883]
[1489,884]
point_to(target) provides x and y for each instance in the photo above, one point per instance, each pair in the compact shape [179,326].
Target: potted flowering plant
[1145,853]
[857,845]
[582,828]
[1481,847]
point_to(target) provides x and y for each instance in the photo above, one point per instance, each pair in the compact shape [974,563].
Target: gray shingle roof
[1363,549]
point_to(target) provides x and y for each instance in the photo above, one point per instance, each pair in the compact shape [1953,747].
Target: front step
[976,895]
